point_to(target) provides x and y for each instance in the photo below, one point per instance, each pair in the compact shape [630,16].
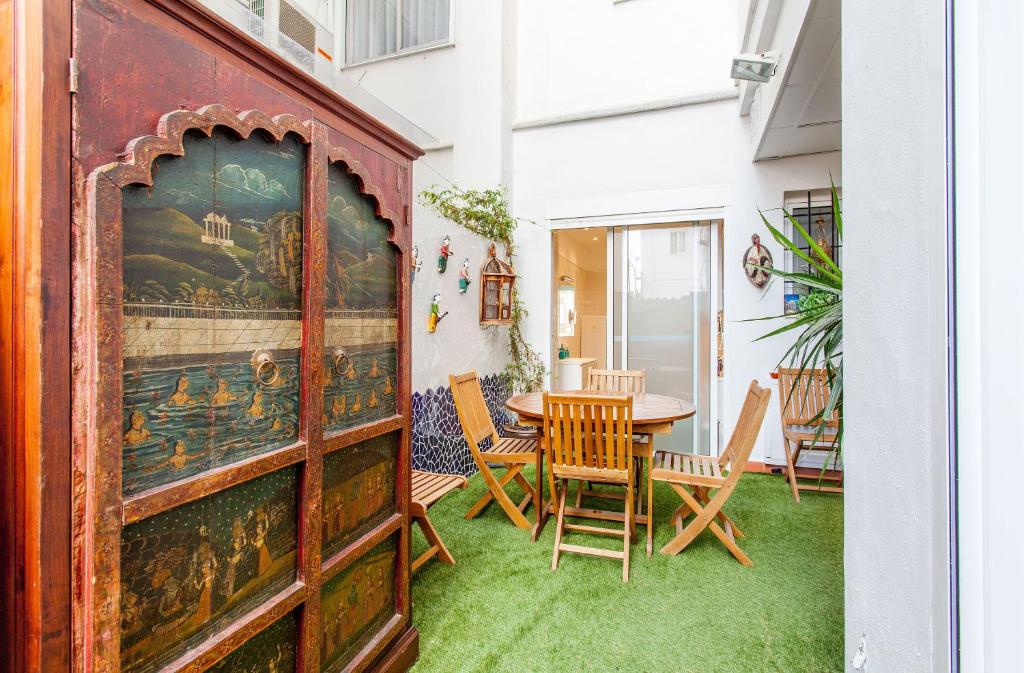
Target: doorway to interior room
[642,297]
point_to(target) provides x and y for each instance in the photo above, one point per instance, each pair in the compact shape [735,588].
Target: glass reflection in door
[662,305]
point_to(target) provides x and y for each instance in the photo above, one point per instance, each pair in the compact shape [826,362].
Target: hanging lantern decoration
[496,281]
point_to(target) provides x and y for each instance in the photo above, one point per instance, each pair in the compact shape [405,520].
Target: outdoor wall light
[755,67]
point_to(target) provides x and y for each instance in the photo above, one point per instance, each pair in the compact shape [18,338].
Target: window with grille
[813,210]
[379,28]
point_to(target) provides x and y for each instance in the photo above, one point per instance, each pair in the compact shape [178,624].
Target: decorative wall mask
[496,280]
[416,262]
[435,313]
[757,262]
[446,252]
[464,276]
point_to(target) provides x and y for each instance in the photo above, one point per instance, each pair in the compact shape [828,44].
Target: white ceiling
[808,112]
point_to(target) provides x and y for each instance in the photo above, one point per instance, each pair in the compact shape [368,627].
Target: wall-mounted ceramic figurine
[464,276]
[416,263]
[435,313]
[757,263]
[446,252]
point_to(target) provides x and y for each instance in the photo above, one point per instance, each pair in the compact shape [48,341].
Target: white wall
[896,515]
[581,54]
[521,62]
[695,159]
[990,362]
[459,95]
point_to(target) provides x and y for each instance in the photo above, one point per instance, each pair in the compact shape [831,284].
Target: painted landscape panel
[361,322]
[271,651]
[212,312]
[187,572]
[356,604]
[358,490]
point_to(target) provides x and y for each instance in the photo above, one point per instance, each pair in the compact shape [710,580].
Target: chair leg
[705,519]
[702,495]
[791,470]
[524,484]
[629,530]
[559,525]
[730,544]
[631,512]
[527,490]
[579,492]
[496,491]
[437,546]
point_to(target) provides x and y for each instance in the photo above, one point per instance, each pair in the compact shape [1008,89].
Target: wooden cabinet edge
[401,655]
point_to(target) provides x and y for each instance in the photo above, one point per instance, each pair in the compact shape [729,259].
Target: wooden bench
[427,489]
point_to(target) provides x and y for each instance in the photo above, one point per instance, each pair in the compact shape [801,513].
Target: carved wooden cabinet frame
[100,510]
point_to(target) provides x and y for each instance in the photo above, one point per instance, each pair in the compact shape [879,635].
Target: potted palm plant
[818,319]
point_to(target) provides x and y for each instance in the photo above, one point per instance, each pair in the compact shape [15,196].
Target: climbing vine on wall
[487,214]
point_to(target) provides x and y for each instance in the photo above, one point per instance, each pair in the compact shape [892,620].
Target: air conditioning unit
[286,26]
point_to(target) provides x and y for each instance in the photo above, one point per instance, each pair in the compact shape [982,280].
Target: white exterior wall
[458,94]
[896,515]
[514,65]
[690,159]
[990,361]
[693,158]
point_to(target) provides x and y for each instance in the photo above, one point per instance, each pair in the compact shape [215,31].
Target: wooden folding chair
[803,395]
[590,438]
[427,489]
[617,381]
[510,453]
[693,477]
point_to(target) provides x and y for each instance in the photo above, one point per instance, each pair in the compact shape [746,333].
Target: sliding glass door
[663,283]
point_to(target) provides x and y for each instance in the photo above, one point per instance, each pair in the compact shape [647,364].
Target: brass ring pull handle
[265,370]
[341,356]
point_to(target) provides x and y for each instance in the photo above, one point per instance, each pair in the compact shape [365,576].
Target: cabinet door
[243,443]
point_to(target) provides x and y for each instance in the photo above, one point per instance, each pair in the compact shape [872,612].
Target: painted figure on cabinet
[271,651]
[187,571]
[358,490]
[356,604]
[362,307]
[212,271]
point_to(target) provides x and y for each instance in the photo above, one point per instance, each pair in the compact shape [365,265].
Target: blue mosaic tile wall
[437,441]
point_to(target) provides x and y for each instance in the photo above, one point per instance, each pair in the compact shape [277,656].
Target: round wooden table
[652,415]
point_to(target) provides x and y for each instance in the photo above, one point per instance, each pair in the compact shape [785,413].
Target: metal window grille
[817,219]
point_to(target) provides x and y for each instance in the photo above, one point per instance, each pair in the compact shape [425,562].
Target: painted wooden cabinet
[236,306]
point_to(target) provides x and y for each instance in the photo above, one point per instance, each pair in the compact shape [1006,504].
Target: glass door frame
[716,219]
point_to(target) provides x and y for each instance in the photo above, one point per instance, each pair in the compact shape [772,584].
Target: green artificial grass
[500,608]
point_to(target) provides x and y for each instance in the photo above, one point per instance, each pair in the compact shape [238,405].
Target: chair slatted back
[472,409]
[618,380]
[744,434]
[589,431]
[803,394]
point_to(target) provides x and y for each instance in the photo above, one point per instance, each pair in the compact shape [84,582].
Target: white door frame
[716,216]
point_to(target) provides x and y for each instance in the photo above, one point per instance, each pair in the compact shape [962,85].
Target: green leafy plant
[487,213]
[819,318]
